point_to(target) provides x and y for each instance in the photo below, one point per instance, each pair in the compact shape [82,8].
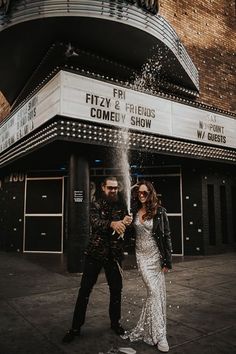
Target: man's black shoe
[117,328]
[70,335]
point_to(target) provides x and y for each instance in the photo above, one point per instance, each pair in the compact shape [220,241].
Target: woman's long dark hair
[152,200]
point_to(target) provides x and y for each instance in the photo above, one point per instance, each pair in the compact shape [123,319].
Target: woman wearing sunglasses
[153,254]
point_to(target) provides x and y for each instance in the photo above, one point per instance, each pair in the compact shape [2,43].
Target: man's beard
[111,198]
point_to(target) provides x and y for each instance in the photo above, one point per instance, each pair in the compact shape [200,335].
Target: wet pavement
[37,298]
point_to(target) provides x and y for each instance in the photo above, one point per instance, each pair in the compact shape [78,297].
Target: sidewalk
[36,305]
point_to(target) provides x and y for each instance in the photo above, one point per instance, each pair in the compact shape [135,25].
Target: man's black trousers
[92,269]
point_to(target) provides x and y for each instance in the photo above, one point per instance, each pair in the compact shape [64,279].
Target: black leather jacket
[103,244]
[161,233]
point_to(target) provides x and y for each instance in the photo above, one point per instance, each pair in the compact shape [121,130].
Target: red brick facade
[207,30]
[4,107]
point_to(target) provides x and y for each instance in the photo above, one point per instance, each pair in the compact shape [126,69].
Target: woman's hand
[127,220]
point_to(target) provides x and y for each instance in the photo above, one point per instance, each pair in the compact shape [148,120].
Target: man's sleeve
[98,224]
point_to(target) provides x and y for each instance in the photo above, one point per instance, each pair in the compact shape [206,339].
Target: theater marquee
[103,103]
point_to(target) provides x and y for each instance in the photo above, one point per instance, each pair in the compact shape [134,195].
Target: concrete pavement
[37,298]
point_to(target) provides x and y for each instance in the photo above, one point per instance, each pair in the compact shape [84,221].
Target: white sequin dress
[151,326]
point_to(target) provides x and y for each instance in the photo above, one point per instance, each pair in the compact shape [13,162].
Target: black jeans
[92,269]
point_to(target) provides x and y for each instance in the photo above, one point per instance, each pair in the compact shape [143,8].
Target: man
[105,250]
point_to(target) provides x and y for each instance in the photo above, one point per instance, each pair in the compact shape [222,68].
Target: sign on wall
[91,100]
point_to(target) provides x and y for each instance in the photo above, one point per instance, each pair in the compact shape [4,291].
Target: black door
[43,221]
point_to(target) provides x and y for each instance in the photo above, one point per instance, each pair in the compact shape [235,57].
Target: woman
[153,253]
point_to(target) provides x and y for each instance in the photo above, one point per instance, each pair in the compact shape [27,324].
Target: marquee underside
[62,129]
[24,49]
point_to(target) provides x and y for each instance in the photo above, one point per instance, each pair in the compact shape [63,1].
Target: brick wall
[207,30]
[4,107]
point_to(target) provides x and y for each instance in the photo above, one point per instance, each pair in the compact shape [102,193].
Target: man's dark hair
[109,178]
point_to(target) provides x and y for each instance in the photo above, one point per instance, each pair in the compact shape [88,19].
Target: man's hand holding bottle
[120,225]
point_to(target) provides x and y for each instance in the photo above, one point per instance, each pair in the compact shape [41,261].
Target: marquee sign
[104,103]
[79,97]
[37,110]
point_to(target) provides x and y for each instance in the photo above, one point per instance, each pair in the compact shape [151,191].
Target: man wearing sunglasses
[109,219]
